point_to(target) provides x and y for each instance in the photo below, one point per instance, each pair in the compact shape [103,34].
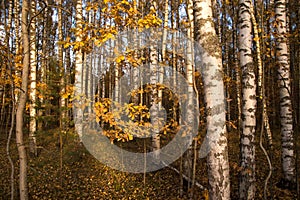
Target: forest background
[247,89]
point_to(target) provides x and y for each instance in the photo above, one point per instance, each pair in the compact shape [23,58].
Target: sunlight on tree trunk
[33,67]
[79,69]
[211,62]
[23,188]
[286,112]
[154,98]
[187,157]
[247,180]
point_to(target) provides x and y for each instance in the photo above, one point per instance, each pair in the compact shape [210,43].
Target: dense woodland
[224,75]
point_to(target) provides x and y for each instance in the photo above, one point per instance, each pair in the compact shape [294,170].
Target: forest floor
[83,177]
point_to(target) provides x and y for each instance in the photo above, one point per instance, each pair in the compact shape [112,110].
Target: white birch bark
[286,114]
[9,23]
[33,67]
[188,161]
[163,52]
[78,70]
[154,98]
[18,38]
[247,180]
[261,89]
[211,63]
[89,71]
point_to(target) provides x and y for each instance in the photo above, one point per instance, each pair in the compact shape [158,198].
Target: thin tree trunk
[23,188]
[44,60]
[62,105]
[164,58]
[18,38]
[188,160]
[154,98]
[79,70]
[33,67]
[225,58]
[286,113]
[237,70]
[261,79]
[9,23]
[247,179]
[13,110]
[60,65]
[261,88]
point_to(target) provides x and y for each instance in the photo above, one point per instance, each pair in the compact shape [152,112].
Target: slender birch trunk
[163,53]
[62,88]
[9,23]
[247,186]
[286,113]
[261,88]
[154,98]
[61,66]
[211,60]
[18,39]
[33,67]
[79,69]
[237,70]
[188,160]
[23,188]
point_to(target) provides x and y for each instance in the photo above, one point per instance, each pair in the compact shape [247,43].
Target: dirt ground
[83,177]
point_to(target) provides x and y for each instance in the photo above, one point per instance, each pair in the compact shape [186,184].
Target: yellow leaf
[120,59]
[65,96]
[256,39]
[66,45]
[130,137]
[205,194]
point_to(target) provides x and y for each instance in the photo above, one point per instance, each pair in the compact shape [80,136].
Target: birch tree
[60,64]
[23,188]
[261,89]
[78,69]
[286,114]
[236,67]
[187,163]
[18,37]
[247,179]
[154,98]
[211,63]
[33,67]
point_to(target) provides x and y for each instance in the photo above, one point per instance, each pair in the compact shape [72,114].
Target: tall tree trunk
[286,113]
[44,60]
[164,59]
[17,35]
[61,66]
[188,161]
[247,178]
[237,69]
[33,67]
[23,188]
[62,104]
[225,58]
[261,89]
[154,99]
[211,62]
[79,70]
[9,23]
